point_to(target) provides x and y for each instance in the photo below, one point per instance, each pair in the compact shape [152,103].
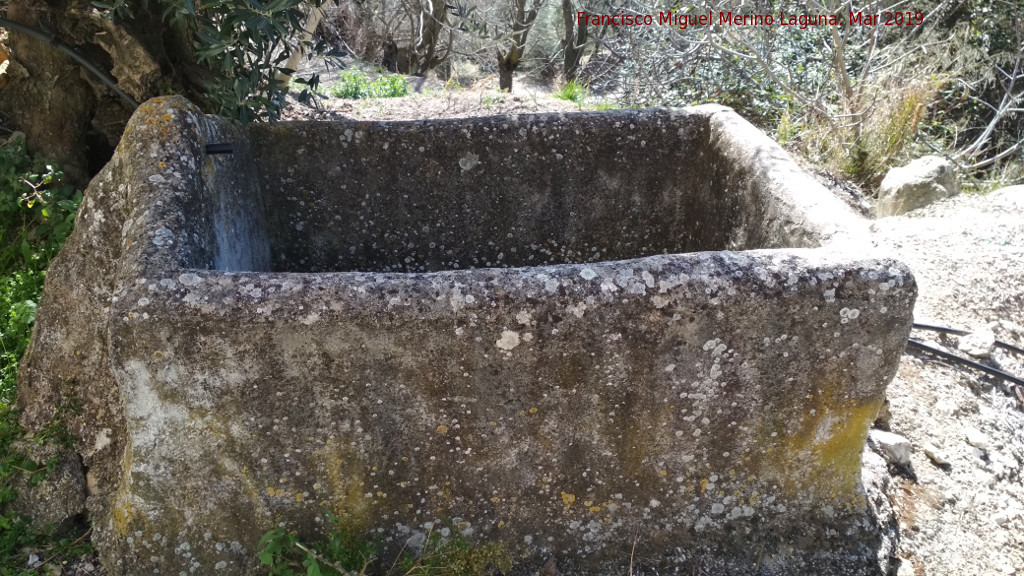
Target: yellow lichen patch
[344,484]
[824,453]
[495,500]
[838,457]
[501,524]
[568,499]
[274,492]
[122,515]
[703,485]
[595,509]
[533,410]
[442,429]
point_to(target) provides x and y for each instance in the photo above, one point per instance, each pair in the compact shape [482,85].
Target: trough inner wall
[497,192]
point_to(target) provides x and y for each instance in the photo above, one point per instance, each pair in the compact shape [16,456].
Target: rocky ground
[964,514]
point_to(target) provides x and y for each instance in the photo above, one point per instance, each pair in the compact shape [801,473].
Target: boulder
[980,343]
[1014,194]
[56,500]
[916,185]
[894,448]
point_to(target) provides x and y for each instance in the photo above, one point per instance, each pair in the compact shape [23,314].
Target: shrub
[356,85]
[390,86]
[36,215]
[573,92]
[37,212]
[353,85]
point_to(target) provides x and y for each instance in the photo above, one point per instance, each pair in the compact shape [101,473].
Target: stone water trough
[640,336]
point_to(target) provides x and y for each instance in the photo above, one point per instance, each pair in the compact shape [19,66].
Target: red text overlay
[711,18]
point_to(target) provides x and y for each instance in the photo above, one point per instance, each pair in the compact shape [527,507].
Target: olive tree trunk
[522,22]
[68,113]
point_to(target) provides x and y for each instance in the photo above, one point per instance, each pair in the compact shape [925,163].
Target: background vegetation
[37,209]
[856,99]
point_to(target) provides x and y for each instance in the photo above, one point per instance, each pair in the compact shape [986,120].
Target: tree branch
[59,45]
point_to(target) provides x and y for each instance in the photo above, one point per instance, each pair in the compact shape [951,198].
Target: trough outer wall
[210,404]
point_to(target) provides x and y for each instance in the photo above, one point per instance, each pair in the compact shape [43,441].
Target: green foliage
[242,43]
[340,554]
[355,85]
[36,215]
[344,553]
[573,92]
[37,209]
[455,556]
[606,105]
[390,86]
[19,293]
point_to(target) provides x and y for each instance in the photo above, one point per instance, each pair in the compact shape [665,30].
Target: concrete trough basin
[605,337]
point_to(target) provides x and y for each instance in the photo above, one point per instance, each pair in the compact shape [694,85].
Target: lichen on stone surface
[526,349]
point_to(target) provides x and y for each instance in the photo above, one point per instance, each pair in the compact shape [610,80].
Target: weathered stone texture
[486,321]
[916,185]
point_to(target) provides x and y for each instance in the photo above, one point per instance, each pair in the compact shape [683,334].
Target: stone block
[916,185]
[564,333]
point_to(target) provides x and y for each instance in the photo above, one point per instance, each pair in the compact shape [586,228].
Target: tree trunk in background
[312,21]
[66,113]
[434,20]
[522,21]
[573,42]
[504,75]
